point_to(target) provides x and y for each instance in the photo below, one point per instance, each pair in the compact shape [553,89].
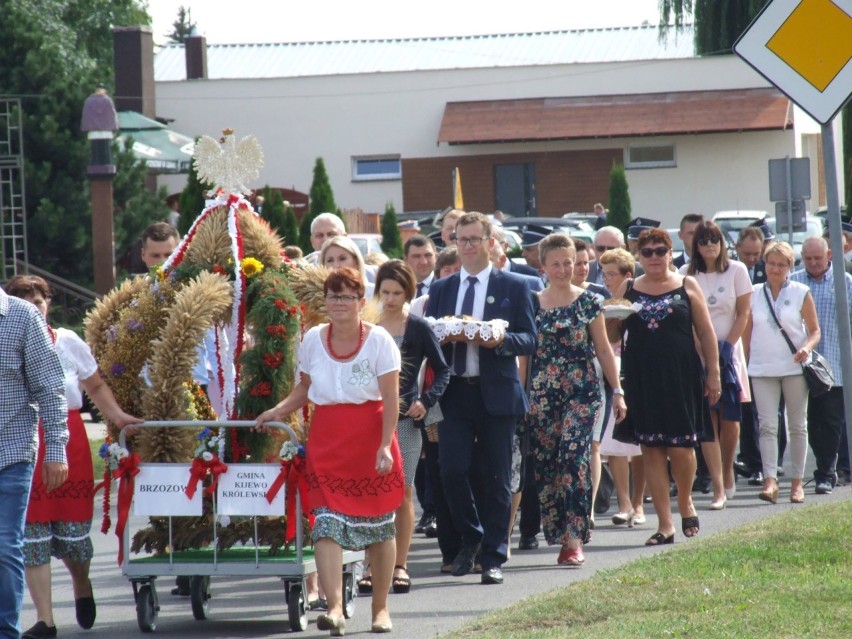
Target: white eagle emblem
[228,165]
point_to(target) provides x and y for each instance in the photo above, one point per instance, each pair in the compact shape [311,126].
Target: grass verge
[785,577]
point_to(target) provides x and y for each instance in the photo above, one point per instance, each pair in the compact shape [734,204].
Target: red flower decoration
[277,330]
[281,305]
[273,360]
[262,389]
[219,270]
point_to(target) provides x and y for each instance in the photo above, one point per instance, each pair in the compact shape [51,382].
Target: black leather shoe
[86,610]
[703,484]
[40,631]
[463,563]
[842,477]
[528,543]
[420,528]
[741,469]
[492,576]
[756,479]
[431,529]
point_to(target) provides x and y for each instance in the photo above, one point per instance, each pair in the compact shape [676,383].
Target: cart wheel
[348,595]
[297,609]
[199,594]
[147,608]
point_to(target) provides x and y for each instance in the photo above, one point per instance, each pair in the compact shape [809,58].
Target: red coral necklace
[331,352]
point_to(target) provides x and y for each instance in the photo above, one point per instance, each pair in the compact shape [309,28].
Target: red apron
[341,461]
[73,500]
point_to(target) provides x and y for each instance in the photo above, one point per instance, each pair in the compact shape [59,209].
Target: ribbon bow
[198,471]
[128,468]
[293,474]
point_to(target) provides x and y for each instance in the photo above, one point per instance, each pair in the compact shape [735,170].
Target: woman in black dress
[664,381]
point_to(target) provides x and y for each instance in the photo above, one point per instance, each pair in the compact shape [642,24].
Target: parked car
[814,229]
[575,228]
[822,211]
[426,220]
[591,218]
[731,222]
[367,242]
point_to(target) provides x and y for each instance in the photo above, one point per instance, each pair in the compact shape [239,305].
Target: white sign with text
[159,491]
[242,491]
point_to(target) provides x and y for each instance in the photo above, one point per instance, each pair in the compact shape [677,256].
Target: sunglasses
[660,251]
[704,241]
[604,249]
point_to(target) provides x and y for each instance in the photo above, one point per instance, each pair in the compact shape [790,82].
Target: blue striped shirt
[32,385]
[822,290]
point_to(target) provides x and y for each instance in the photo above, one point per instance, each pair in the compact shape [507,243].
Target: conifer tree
[322,201]
[619,199]
[289,230]
[391,237]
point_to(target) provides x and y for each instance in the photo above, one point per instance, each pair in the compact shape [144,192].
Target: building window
[376,168]
[649,156]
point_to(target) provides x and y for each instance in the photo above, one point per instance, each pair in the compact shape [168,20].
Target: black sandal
[659,539]
[365,585]
[688,523]
[401,585]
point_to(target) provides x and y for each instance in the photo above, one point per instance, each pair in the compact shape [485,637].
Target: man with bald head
[826,416]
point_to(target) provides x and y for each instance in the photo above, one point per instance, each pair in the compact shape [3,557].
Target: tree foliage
[183,26]
[322,201]
[619,213]
[192,199]
[391,237]
[53,56]
[289,230]
[273,208]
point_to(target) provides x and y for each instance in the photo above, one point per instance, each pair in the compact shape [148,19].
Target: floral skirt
[351,532]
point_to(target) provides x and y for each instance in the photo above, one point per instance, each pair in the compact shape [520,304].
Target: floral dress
[663,375]
[565,398]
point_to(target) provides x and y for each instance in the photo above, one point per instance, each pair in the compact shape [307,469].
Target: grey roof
[303,59]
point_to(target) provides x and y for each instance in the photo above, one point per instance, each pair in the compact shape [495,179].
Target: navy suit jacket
[523,269]
[679,261]
[759,273]
[500,386]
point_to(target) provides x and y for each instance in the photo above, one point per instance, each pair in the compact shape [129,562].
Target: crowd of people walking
[665,369]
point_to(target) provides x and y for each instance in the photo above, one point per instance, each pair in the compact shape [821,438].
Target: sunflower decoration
[225,280]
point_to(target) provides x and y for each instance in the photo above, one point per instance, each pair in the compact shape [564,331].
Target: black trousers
[471,440]
[826,422]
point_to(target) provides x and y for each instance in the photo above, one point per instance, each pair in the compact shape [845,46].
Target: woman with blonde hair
[341,252]
[775,370]
[617,266]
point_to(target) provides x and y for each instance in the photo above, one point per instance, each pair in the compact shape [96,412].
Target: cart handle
[189,423]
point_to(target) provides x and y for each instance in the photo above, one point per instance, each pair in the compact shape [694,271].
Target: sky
[246,21]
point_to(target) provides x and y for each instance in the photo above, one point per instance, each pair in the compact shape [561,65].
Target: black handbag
[818,374]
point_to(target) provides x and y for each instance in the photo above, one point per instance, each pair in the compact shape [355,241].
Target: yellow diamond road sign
[804,47]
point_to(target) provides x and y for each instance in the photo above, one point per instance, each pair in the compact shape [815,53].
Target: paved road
[245,607]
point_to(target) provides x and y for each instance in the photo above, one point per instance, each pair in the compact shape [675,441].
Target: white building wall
[338,117]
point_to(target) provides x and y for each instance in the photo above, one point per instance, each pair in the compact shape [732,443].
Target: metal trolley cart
[291,565]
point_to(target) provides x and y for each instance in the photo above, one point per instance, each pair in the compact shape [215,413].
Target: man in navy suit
[485,398]
[688,224]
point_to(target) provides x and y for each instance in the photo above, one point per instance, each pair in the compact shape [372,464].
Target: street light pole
[100,121]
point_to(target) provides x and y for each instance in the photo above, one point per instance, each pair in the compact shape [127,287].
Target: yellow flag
[458,200]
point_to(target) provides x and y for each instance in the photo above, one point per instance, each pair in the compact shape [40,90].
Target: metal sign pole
[838,270]
[789,167]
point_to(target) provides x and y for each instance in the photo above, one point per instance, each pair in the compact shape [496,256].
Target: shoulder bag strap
[772,311]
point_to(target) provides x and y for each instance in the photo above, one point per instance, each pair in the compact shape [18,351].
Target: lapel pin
[490,299]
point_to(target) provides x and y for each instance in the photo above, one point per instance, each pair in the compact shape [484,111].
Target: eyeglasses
[345,299]
[704,241]
[648,252]
[470,241]
[604,249]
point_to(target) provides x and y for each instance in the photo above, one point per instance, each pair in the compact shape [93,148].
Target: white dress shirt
[472,360]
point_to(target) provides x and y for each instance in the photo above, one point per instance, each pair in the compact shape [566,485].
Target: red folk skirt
[73,500]
[341,461]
